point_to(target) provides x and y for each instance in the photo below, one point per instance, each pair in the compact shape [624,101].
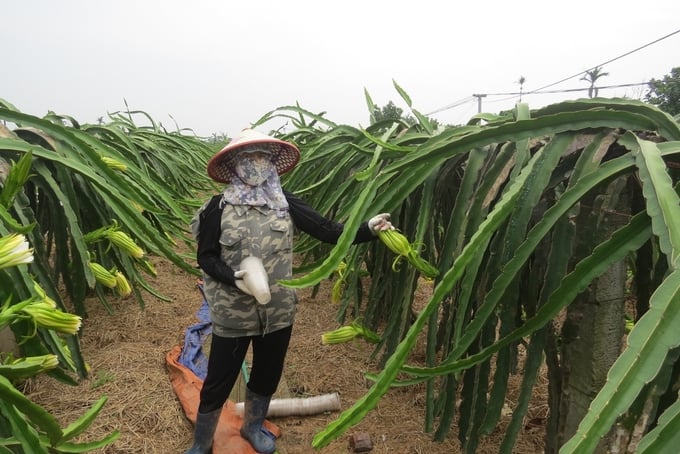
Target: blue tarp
[192,356]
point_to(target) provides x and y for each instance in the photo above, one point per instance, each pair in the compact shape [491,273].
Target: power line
[566,90]
[460,102]
[540,90]
[510,95]
[608,61]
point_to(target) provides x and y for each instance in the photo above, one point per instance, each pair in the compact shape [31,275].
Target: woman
[253,217]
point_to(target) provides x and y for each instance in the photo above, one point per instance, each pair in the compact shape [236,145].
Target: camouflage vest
[260,232]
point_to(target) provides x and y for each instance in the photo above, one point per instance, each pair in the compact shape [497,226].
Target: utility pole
[479,102]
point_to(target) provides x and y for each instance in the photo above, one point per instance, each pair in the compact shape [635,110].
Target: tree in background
[219,140]
[521,82]
[665,93]
[591,77]
[391,112]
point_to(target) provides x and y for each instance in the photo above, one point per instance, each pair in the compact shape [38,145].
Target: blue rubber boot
[254,413]
[206,423]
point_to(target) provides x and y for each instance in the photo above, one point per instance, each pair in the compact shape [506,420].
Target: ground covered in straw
[126,353]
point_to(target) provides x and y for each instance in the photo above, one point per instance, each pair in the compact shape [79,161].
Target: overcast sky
[215,66]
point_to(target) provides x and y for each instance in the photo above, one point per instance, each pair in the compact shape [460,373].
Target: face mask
[253,168]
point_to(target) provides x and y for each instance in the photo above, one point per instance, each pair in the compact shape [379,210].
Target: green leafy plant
[500,206]
[88,199]
[34,429]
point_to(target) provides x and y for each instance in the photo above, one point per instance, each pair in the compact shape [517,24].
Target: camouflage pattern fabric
[267,234]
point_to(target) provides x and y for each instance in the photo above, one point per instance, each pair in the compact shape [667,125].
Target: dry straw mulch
[126,353]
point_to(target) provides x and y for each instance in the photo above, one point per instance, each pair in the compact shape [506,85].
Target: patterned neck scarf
[257,184]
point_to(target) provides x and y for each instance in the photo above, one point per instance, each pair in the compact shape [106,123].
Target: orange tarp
[187,387]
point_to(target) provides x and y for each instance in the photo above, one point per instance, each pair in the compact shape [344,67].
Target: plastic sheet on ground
[192,355]
[187,366]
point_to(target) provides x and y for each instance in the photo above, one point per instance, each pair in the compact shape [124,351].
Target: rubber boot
[254,412]
[206,423]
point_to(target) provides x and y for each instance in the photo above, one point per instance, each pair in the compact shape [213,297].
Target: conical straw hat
[284,155]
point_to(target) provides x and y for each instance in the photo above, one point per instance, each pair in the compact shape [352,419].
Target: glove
[240,283]
[380,222]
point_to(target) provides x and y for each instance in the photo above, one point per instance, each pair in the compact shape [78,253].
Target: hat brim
[285,156]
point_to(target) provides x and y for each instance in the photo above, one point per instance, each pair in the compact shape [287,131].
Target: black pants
[224,364]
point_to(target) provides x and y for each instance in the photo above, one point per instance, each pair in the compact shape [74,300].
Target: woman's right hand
[379,223]
[240,283]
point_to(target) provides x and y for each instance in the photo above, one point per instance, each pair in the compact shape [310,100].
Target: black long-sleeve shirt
[304,217]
